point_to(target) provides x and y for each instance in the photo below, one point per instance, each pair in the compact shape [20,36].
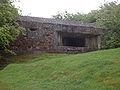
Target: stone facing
[45,35]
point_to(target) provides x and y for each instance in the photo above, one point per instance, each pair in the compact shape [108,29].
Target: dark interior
[33,29]
[75,42]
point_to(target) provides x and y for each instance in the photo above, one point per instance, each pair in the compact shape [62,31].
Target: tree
[109,16]
[64,16]
[90,17]
[9,28]
[69,16]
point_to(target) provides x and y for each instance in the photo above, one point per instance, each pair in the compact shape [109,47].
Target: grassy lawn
[99,70]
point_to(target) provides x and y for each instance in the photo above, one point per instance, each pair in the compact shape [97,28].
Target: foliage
[109,16]
[99,70]
[90,17]
[9,28]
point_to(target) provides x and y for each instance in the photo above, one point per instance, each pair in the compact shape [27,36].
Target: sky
[48,8]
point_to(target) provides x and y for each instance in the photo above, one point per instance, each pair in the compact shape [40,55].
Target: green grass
[99,70]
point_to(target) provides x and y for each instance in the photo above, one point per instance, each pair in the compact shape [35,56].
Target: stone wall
[36,37]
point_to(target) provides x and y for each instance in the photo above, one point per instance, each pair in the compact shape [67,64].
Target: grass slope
[99,70]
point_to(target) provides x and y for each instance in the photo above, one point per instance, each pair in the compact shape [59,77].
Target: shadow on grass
[29,58]
[3,63]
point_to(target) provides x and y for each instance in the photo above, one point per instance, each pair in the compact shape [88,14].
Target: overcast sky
[47,8]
